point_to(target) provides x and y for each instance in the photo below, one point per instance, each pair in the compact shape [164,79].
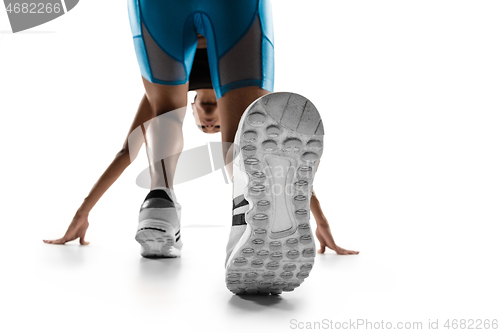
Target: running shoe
[279,144]
[159,231]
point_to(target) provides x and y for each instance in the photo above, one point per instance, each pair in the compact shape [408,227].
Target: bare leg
[231,107]
[164,137]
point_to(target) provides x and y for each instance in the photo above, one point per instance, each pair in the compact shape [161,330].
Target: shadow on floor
[260,302]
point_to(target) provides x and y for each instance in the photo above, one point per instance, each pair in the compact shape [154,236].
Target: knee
[162,106]
[158,109]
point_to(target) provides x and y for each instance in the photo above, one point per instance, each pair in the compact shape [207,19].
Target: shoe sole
[157,240]
[280,137]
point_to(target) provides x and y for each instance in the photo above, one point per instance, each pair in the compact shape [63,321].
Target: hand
[325,238]
[77,229]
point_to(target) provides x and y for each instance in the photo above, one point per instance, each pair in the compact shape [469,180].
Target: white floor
[107,286]
[408,93]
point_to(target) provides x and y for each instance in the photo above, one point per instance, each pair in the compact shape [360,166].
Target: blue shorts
[239,36]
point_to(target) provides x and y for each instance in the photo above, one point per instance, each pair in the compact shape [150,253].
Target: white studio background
[409,95]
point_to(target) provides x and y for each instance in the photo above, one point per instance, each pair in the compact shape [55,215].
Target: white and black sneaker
[159,226]
[271,246]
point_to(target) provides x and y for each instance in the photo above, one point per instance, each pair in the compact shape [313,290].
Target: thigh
[240,46]
[164,43]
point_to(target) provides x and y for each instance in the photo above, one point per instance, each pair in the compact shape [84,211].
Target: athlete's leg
[158,231]
[165,45]
[231,107]
[164,136]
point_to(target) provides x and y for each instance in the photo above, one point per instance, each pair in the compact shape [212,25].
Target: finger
[55,241]
[82,240]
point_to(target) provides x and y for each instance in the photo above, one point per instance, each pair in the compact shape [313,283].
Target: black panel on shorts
[240,63]
[163,67]
[200,72]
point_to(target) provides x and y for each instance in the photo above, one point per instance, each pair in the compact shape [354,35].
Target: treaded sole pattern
[279,131]
[156,243]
